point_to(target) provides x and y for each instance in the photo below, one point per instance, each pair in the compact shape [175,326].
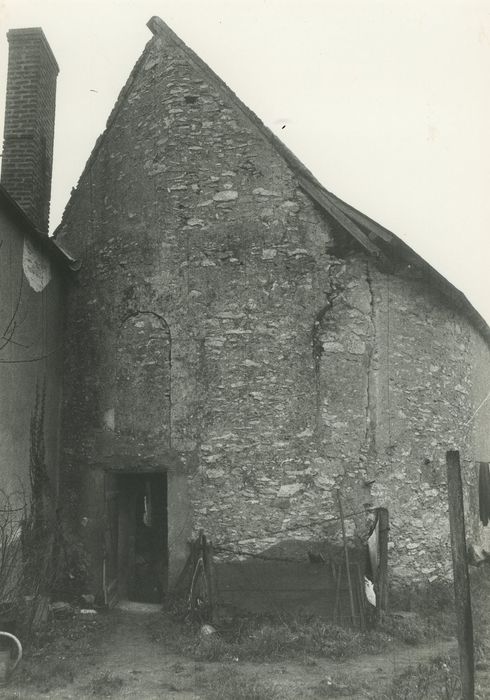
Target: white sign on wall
[37,268]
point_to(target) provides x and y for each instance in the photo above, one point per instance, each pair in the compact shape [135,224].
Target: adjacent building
[32,266]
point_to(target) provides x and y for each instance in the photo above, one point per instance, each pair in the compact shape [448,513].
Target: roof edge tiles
[48,245]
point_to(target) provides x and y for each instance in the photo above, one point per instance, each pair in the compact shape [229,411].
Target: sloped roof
[383,245]
[47,244]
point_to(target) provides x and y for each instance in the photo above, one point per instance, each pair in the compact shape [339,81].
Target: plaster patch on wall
[37,268]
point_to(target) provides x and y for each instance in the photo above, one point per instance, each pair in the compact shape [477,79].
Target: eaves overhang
[52,250]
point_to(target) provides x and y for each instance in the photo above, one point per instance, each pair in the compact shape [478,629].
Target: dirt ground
[130,652]
[123,654]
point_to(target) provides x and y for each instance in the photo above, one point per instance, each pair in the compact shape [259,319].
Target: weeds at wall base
[256,637]
[259,639]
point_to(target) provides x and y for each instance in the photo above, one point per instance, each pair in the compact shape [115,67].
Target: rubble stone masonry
[222,330]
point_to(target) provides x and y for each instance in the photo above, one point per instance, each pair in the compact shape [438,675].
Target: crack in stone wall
[371,399]
[317,347]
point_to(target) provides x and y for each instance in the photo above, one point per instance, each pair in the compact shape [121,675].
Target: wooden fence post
[462,596]
[382,574]
[346,554]
[211,580]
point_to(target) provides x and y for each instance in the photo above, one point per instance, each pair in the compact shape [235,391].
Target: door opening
[138,520]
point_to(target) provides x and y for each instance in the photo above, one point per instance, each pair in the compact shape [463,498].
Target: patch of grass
[293,639]
[480,595]
[337,686]
[212,648]
[105,685]
[56,656]
[171,629]
[247,637]
[47,674]
[227,683]
[436,680]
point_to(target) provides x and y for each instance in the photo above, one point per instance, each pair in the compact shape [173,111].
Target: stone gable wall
[293,370]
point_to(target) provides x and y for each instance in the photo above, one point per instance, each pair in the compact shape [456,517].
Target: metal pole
[462,597]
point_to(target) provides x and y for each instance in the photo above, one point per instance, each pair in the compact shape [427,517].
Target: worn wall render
[30,351]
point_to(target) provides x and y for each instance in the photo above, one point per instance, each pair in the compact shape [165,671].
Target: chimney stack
[27,161]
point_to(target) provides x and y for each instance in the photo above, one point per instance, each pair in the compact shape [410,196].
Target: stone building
[242,343]
[239,346]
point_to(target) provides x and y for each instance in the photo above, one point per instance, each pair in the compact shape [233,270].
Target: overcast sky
[386,101]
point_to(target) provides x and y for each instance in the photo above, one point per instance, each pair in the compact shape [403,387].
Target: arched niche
[143,390]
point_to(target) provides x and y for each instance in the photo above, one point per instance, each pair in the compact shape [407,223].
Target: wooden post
[337,593]
[211,580]
[346,554]
[382,573]
[462,598]
[361,597]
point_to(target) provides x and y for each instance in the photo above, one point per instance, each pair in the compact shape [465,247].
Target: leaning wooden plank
[462,597]
[337,594]
[361,219]
[347,223]
[211,576]
[346,554]
[382,573]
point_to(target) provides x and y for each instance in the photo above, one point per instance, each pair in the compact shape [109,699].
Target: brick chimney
[27,160]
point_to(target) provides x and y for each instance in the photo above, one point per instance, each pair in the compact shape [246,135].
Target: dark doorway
[138,520]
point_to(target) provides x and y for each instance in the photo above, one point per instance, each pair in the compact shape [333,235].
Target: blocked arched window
[143,379]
